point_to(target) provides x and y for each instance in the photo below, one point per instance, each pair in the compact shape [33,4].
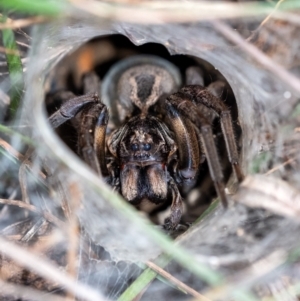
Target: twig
[48,271]
[137,288]
[30,233]
[5,145]
[48,216]
[257,54]
[59,189]
[175,281]
[23,44]
[279,166]
[28,164]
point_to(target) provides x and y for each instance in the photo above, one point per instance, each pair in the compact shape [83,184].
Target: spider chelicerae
[158,137]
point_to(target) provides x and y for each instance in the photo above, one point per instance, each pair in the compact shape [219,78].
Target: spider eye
[135,147]
[146,147]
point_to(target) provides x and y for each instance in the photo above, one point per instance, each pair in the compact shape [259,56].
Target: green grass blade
[10,132]
[39,7]
[143,280]
[148,274]
[15,68]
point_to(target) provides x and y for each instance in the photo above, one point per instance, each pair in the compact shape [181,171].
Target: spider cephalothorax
[154,146]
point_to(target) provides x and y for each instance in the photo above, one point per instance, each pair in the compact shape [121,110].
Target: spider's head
[141,142]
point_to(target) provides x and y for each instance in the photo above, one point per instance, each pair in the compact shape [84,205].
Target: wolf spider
[155,152]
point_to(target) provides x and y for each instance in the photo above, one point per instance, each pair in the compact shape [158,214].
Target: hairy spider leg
[189,150]
[173,220]
[93,120]
[185,109]
[90,136]
[201,95]
[71,108]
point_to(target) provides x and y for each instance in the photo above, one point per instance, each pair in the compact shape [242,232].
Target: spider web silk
[227,241]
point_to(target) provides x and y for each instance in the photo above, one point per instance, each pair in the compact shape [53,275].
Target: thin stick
[175,281]
[28,164]
[48,216]
[271,14]
[257,54]
[279,166]
[5,145]
[48,271]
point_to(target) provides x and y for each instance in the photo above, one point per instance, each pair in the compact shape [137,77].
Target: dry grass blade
[5,145]
[48,271]
[176,282]
[235,285]
[272,13]
[271,65]
[280,166]
[22,180]
[171,11]
[24,45]
[271,194]
[48,216]
[288,16]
